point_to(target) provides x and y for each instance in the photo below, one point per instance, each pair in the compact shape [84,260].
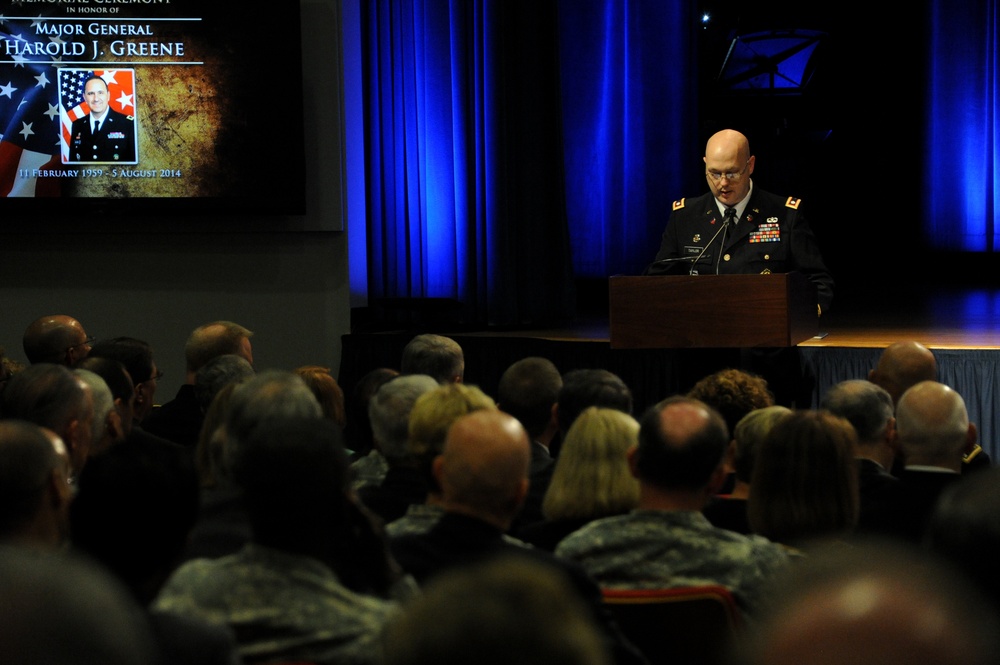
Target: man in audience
[903,364]
[389,411]
[56,338]
[879,603]
[529,391]
[667,541]
[133,510]
[34,487]
[483,475]
[869,408]
[435,355]
[283,594]
[431,416]
[933,428]
[52,396]
[180,419]
[588,387]
[137,357]
[106,429]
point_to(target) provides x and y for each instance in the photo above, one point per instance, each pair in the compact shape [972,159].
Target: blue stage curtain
[513,146]
[962,137]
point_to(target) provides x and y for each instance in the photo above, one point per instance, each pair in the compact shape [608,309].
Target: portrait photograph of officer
[99,133]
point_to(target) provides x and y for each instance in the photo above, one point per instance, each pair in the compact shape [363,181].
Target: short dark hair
[591,387]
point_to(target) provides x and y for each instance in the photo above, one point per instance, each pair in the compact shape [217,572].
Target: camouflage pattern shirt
[281,606]
[650,549]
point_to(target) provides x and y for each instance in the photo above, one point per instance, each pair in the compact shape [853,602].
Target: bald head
[483,470]
[56,338]
[933,425]
[728,151]
[903,364]
[873,605]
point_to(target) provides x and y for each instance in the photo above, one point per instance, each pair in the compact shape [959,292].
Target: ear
[631,455]
[971,438]
[113,426]
[728,462]
[437,469]
[522,491]
[716,480]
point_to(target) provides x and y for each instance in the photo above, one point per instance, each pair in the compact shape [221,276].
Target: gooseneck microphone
[726,221]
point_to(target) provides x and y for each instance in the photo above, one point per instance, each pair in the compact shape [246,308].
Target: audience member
[216,374]
[358,429]
[667,541]
[532,615]
[588,387]
[137,357]
[180,419]
[8,367]
[804,488]
[132,513]
[901,365]
[389,411]
[58,339]
[483,475]
[879,603]
[869,408]
[963,529]
[933,431]
[733,393]
[435,355]
[283,594]
[431,416]
[60,608]
[106,428]
[34,487]
[119,382]
[52,396]
[591,477]
[529,391]
[729,510]
[222,526]
[208,456]
[327,391]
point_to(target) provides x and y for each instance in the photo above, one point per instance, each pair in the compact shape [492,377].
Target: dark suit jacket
[458,540]
[906,513]
[771,237]
[114,142]
[178,420]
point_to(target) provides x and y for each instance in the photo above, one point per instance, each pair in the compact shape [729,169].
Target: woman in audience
[729,511]
[327,391]
[804,488]
[591,477]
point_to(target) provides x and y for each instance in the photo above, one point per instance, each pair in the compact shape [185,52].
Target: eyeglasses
[731,177]
[156,377]
[87,341]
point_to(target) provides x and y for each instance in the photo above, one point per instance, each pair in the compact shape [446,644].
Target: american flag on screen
[121,96]
[29,115]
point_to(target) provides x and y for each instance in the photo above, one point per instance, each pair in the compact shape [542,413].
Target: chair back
[693,625]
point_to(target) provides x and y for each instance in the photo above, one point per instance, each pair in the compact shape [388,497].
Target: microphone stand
[724,227]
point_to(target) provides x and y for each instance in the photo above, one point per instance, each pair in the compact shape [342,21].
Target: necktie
[97,126]
[730,215]
[728,218]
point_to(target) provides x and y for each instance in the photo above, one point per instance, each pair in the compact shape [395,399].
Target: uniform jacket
[114,141]
[772,236]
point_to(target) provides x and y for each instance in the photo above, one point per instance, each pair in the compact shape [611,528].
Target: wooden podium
[721,311]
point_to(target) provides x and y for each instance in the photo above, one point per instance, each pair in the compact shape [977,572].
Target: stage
[961,326]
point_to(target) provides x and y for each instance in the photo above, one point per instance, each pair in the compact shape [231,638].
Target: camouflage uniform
[649,549]
[282,607]
[419,518]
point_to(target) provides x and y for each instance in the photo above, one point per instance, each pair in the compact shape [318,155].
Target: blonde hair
[592,476]
[433,413]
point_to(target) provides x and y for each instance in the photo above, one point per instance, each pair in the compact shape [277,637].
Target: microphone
[727,219]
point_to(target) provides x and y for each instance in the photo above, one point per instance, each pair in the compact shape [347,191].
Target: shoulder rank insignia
[678,204]
[792,203]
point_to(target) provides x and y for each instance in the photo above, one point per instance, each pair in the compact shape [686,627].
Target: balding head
[877,604]
[483,470]
[933,426]
[903,364]
[215,339]
[56,338]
